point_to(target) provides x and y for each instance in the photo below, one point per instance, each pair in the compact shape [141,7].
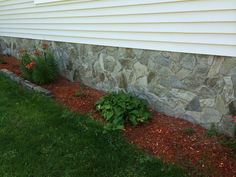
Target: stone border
[25,83]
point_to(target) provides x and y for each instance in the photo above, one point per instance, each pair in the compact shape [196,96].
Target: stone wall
[198,88]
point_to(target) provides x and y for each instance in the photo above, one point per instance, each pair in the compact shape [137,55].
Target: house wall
[195,87]
[153,48]
[191,26]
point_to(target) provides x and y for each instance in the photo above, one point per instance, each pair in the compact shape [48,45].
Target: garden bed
[203,152]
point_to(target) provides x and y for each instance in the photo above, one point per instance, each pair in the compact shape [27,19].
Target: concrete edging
[25,83]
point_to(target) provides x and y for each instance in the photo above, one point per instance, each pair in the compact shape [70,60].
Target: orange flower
[45,46]
[30,65]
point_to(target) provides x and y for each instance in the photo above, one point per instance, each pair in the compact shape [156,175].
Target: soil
[171,139]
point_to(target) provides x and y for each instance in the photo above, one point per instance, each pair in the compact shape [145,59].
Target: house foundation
[198,88]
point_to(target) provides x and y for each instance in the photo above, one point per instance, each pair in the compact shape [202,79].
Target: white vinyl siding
[191,26]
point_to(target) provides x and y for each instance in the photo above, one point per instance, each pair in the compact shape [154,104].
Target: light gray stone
[221,105]
[215,67]
[194,105]
[228,91]
[188,62]
[163,61]
[228,65]
[205,92]
[210,116]
[227,126]
[183,73]
[140,70]
[192,116]
[164,72]
[182,94]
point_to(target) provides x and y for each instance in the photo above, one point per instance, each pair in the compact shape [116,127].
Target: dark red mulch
[163,136]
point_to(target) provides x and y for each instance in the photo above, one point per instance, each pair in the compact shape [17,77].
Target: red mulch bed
[163,137]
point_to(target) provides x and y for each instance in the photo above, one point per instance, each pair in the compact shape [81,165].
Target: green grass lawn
[39,138]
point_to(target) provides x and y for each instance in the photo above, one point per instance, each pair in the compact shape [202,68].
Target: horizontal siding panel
[194,26]
[82,5]
[205,28]
[218,39]
[175,47]
[206,16]
[185,6]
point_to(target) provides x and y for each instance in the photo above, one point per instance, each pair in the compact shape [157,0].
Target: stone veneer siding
[195,87]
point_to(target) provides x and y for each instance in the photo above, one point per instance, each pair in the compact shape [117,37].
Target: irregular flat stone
[42,91]
[227,126]
[140,70]
[194,105]
[192,116]
[182,94]
[215,67]
[183,73]
[210,116]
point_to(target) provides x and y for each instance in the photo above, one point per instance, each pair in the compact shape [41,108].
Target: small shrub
[41,67]
[188,131]
[118,108]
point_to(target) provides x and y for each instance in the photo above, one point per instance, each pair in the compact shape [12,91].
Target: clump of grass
[212,131]
[189,131]
[79,93]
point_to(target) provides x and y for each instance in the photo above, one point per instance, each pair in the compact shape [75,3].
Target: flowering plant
[30,65]
[40,67]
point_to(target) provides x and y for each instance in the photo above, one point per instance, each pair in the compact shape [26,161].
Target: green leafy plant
[212,131]
[189,131]
[2,60]
[118,108]
[41,67]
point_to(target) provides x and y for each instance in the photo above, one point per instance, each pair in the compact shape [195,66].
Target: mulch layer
[171,139]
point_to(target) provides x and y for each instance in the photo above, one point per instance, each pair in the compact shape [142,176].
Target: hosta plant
[39,67]
[118,108]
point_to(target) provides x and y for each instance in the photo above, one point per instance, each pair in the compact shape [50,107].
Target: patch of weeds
[79,93]
[189,131]
[2,60]
[229,143]
[212,131]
